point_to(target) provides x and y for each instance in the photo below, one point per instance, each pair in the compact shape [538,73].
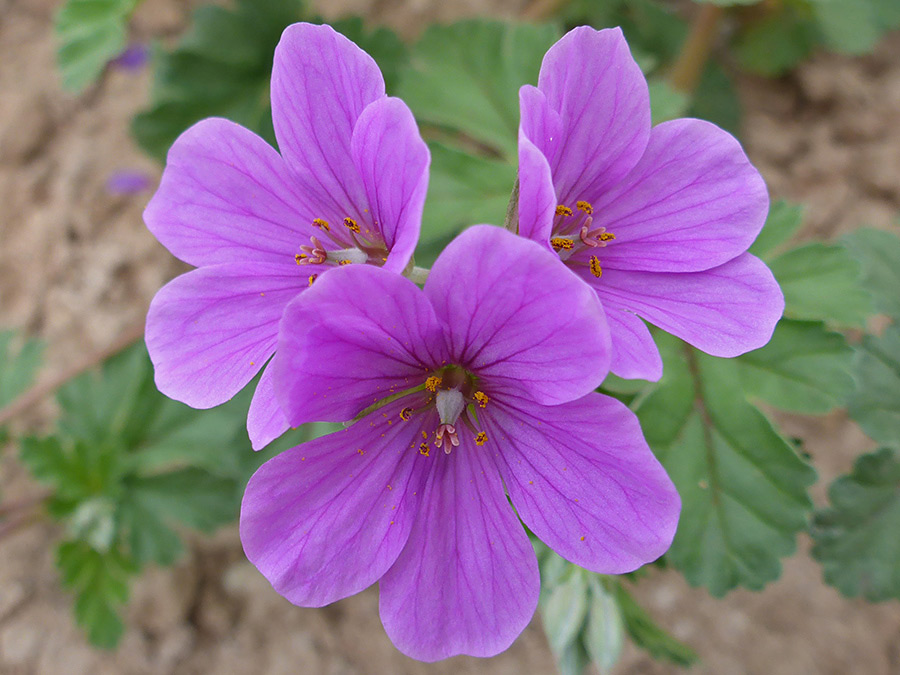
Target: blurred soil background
[78,268]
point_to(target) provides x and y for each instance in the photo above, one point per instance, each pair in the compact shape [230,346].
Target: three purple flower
[476,391]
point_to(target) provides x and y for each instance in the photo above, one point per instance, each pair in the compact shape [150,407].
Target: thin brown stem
[23,504]
[685,73]
[38,392]
[11,525]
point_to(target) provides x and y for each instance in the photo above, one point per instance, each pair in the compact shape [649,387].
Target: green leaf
[716,99]
[90,33]
[190,496]
[18,365]
[857,538]
[463,190]
[849,26]
[221,68]
[804,368]
[603,635]
[821,283]
[875,405]
[666,103]
[878,252]
[466,76]
[648,635]
[727,3]
[782,223]
[100,583]
[775,44]
[743,488]
[565,610]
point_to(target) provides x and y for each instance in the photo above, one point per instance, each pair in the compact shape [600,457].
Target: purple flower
[127,182]
[657,221]
[477,387]
[134,57]
[348,187]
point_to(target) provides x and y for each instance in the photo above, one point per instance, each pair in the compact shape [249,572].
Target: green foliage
[464,189]
[856,538]
[743,487]
[805,368]
[127,466]
[463,84]
[782,223]
[875,405]
[647,634]
[223,65]
[878,252]
[99,581]
[821,282]
[774,44]
[586,616]
[90,33]
[716,99]
[465,78]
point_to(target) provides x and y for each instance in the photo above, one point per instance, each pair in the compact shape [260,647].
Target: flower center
[453,393]
[574,232]
[348,243]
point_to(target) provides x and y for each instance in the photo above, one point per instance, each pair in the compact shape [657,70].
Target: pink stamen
[450,430]
[315,254]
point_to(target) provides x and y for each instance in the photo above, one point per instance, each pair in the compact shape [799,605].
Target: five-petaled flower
[465,396]
[657,221]
[348,187]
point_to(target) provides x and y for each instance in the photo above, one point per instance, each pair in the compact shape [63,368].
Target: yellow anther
[312,278]
[320,223]
[345,262]
[432,383]
[584,206]
[607,236]
[298,258]
[563,210]
[596,270]
[480,438]
[482,399]
[560,243]
[351,224]
[405,413]
[424,449]
[425,435]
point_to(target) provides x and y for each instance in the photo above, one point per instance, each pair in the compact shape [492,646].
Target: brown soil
[77,268]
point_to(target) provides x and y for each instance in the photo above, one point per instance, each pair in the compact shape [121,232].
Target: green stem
[685,73]
[418,275]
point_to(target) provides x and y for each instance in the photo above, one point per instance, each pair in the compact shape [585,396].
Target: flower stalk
[685,73]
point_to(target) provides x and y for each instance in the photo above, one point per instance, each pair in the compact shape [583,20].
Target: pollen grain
[563,210]
[596,270]
[587,207]
[481,438]
[482,399]
[351,224]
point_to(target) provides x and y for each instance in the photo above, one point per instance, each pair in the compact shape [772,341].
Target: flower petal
[467,581]
[590,78]
[393,161]
[583,479]
[321,82]
[726,311]
[327,518]
[358,335]
[537,199]
[265,421]
[227,196]
[694,201]
[634,354]
[211,330]
[519,318]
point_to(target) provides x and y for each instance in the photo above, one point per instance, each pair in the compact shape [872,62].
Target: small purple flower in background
[657,221]
[128,182]
[347,188]
[478,386]
[134,57]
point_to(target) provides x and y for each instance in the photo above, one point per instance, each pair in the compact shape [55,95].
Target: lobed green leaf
[856,538]
[743,487]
